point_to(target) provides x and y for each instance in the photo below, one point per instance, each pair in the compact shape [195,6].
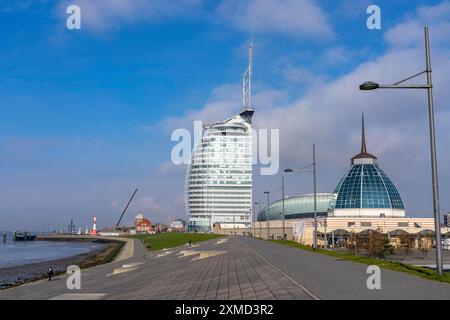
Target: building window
[403,224]
[417,225]
[351,224]
[366,224]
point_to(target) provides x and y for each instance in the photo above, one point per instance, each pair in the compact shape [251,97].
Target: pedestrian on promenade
[50,273]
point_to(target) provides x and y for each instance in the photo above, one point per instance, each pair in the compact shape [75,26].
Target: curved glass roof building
[296,207]
[366,190]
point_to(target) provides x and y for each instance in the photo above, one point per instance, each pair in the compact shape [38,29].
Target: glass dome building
[365,190]
[296,207]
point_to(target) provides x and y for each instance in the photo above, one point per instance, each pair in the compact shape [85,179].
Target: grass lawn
[173,239]
[386,264]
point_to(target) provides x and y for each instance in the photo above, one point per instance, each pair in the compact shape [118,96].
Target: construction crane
[124,210]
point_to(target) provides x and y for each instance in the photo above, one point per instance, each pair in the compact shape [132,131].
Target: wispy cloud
[147,204]
[410,32]
[292,17]
[303,18]
[105,15]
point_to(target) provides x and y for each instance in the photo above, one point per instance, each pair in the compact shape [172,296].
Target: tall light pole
[313,171]
[234,224]
[434,175]
[268,214]
[283,213]
[259,211]
[254,218]
[250,225]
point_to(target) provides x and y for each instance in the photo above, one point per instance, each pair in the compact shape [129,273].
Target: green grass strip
[173,239]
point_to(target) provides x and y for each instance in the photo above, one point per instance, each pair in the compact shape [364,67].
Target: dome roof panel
[366,186]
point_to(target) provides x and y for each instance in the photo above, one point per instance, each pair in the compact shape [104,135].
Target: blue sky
[86,115]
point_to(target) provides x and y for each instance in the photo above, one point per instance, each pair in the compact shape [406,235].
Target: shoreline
[18,275]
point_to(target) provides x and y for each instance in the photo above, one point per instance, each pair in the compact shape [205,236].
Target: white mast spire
[247,81]
[250,74]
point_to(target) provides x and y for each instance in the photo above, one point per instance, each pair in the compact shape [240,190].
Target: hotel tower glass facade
[219,177]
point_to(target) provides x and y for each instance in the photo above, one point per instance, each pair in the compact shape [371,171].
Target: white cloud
[104,15]
[293,17]
[410,32]
[146,204]
[168,168]
[225,100]
[302,75]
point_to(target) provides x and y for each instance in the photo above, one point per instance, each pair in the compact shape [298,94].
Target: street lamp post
[234,224]
[268,214]
[314,170]
[260,225]
[259,211]
[283,213]
[435,185]
[254,218]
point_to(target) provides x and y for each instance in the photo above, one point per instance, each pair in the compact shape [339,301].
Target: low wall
[262,233]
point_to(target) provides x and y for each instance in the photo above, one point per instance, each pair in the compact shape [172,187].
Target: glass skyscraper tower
[219,177]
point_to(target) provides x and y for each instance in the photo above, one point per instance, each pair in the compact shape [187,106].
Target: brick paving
[236,273]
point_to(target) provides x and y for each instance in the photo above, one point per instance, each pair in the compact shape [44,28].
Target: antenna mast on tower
[247,109]
[247,81]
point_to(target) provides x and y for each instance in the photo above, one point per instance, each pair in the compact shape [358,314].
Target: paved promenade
[220,269]
[231,268]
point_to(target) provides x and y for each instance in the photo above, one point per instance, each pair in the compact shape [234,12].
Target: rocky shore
[14,276]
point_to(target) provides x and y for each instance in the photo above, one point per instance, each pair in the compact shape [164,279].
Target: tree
[424,248]
[352,242]
[377,245]
[406,244]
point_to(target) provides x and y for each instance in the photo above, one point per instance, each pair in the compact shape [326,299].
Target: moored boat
[23,236]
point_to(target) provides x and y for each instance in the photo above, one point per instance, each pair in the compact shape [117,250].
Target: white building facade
[219,177]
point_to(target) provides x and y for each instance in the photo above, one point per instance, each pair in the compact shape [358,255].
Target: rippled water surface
[25,252]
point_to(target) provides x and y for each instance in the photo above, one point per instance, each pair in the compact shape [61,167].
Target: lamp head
[369,85]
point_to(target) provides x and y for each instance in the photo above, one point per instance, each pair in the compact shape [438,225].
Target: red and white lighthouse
[94,227]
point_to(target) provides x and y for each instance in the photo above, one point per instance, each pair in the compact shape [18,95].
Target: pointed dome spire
[363,154]
[363,138]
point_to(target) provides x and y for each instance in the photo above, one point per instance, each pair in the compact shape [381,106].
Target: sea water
[25,252]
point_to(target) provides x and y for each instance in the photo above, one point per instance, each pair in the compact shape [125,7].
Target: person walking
[50,273]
